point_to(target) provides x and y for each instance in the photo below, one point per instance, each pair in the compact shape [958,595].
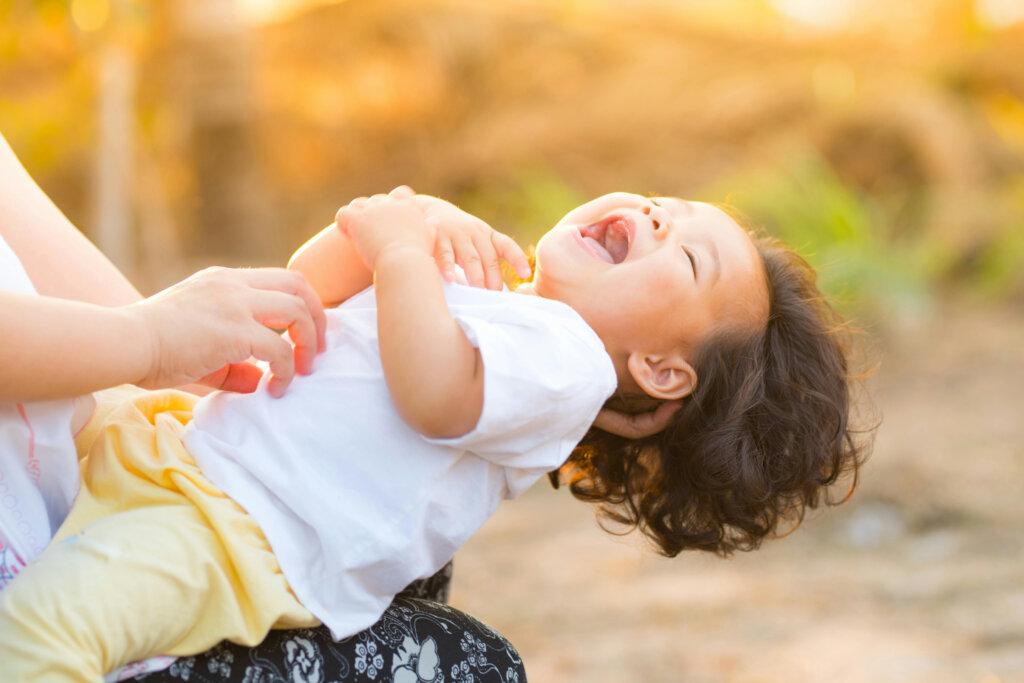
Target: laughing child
[666,365]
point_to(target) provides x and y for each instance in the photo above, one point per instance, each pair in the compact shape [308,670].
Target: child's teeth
[616,241]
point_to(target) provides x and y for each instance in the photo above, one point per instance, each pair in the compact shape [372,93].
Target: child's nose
[659,218]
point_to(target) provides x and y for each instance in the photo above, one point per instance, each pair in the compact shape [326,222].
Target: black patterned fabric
[419,639]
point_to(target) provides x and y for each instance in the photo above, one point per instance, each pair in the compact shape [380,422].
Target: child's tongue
[609,241]
[599,249]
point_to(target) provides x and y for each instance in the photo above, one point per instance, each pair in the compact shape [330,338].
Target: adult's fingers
[640,425]
[292,282]
[242,378]
[509,250]
[269,346]
[280,311]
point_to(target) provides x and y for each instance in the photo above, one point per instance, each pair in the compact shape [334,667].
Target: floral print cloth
[419,639]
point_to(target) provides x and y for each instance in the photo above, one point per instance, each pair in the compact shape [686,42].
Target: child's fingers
[348,214]
[512,253]
[489,261]
[354,205]
[466,256]
[402,192]
[444,255]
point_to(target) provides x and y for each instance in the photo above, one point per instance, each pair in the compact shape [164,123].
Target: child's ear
[666,376]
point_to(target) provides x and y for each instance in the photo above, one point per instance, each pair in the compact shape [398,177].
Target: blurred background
[885,141]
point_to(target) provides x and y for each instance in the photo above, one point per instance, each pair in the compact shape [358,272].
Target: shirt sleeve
[546,376]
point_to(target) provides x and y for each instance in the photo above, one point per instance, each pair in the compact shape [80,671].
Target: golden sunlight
[90,15]
[999,13]
[267,11]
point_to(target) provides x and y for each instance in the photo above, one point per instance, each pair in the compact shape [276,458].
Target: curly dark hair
[764,433]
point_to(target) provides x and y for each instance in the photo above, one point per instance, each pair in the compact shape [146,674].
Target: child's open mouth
[608,239]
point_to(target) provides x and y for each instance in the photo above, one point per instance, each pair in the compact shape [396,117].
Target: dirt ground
[919,578]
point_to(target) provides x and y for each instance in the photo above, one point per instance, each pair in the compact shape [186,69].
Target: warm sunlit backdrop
[884,140]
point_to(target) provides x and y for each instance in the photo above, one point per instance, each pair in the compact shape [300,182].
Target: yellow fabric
[153,559]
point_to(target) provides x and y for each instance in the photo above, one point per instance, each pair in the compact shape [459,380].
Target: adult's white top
[355,503]
[38,465]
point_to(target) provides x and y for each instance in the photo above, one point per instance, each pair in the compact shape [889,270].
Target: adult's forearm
[54,348]
[59,259]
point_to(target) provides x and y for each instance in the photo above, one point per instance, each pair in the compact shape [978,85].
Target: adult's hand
[90,328]
[638,425]
[205,328]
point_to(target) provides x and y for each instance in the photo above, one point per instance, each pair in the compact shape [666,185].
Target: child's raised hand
[387,221]
[465,239]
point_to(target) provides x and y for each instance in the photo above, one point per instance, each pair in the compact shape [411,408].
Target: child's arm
[332,264]
[434,374]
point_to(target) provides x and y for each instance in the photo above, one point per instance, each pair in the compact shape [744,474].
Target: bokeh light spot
[834,82]
[999,13]
[90,15]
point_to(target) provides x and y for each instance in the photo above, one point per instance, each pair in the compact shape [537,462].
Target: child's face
[652,274]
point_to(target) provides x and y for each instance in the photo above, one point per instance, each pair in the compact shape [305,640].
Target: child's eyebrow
[685,206]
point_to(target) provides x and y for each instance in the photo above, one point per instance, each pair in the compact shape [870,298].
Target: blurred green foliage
[898,183]
[999,270]
[869,264]
[865,266]
[525,203]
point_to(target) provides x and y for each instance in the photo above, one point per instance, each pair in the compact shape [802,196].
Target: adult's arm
[56,348]
[58,258]
[91,329]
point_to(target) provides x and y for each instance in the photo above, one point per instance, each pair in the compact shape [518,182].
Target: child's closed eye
[693,261]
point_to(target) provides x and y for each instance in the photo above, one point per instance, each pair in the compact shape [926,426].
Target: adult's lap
[418,639]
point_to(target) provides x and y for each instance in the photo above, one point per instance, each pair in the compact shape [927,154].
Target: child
[433,402]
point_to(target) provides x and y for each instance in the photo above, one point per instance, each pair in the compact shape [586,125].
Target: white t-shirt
[38,464]
[356,504]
